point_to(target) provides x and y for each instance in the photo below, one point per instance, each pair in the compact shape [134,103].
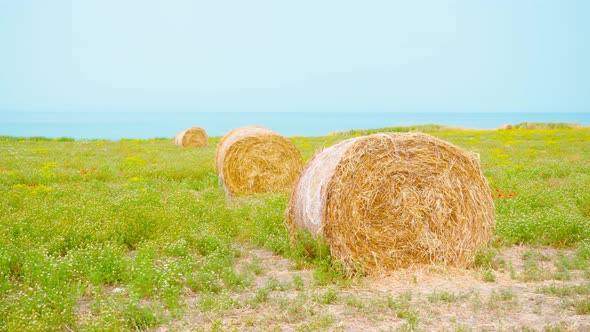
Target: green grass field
[117,235]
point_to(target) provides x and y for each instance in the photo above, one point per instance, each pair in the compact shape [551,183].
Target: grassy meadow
[138,235]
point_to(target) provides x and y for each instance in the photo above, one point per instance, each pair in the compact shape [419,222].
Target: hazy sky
[188,55]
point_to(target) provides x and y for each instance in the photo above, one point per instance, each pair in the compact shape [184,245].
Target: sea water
[115,126]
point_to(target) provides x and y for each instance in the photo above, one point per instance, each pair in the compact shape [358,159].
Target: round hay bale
[192,137]
[506,127]
[257,160]
[388,201]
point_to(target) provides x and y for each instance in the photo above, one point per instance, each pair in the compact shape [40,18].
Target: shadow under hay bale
[388,201]
[257,160]
[192,137]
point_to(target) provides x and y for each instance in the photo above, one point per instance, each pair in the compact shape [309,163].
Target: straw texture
[257,160]
[387,201]
[192,137]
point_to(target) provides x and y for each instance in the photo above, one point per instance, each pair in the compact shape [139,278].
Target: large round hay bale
[192,137]
[391,200]
[257,160]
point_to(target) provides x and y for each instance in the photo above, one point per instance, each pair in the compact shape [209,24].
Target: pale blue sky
[181,55]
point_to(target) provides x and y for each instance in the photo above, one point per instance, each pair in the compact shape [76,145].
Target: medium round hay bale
[192,137]
[257,160]
[391,200]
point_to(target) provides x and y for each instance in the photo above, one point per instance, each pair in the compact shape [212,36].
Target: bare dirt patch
[533,288]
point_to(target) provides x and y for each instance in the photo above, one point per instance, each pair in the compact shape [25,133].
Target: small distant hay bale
[192,137]
[506,127]
[254,159]
[391,200]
